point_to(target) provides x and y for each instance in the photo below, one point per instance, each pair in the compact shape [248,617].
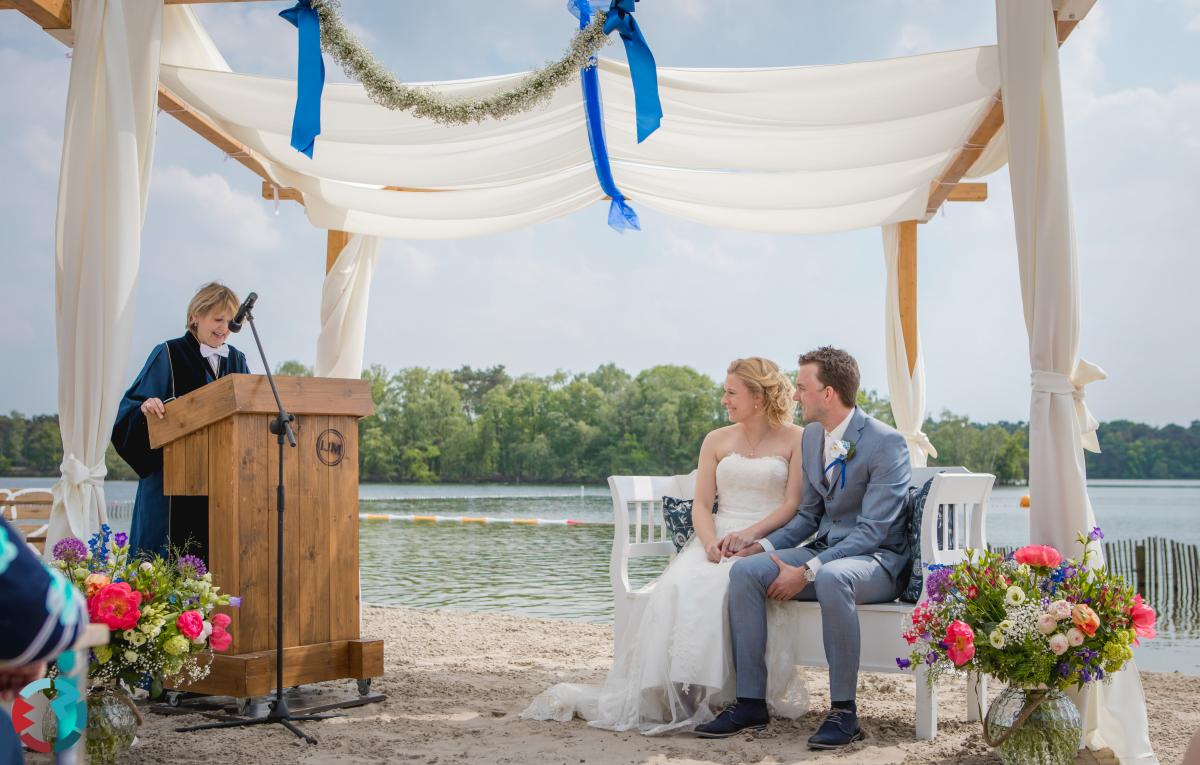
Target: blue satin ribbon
[310,76]
[621,216]
[641,66]
[839,461]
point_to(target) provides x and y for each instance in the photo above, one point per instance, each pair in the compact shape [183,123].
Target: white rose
[1075,637]
[128,635]
[1058,644]
[996,639]
[1047,624]
[147,566]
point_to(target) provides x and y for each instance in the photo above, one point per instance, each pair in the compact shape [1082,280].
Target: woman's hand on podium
[155,406]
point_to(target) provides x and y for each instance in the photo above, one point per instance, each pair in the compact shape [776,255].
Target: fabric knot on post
[71,493]
[310,76]
[76,473]
[642,69]
[621,216]
[921,441]
[1056,383]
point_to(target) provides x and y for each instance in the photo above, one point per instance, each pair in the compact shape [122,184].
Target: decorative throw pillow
[677,514]
[915,507]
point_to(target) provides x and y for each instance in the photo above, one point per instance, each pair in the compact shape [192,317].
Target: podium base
[253,674]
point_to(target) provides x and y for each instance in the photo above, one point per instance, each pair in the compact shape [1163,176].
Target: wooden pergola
[54,16]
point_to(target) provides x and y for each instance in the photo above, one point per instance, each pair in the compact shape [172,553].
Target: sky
[572,294]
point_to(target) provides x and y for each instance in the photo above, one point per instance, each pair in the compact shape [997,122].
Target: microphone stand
[281,427]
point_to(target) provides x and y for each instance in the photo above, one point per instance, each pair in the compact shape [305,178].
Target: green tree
[294,369]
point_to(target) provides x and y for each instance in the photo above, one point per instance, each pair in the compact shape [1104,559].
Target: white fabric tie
[208,351]
[69,493]
[921,441]
[1053,382]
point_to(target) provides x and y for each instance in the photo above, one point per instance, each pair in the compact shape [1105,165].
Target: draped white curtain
[108,143]
[906,390]
[1059,423]
[788,150]
[344,309]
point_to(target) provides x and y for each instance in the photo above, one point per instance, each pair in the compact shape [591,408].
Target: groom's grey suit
[861,541]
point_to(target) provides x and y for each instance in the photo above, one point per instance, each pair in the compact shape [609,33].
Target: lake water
[561,572]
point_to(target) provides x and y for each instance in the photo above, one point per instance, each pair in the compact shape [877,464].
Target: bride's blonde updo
[762,377]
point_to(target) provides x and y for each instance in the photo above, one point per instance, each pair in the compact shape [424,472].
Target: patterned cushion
[677,514]
[915,507]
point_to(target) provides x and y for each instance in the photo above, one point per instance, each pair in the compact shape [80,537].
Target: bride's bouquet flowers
[1031,619]
[160,611]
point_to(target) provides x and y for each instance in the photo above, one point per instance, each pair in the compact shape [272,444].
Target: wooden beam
[285,193]
[968,192]
[334,244]
[907,287]
[47,14]
[206,129]
[944,184]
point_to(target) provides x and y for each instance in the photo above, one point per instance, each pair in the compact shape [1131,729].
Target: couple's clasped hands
[739,544]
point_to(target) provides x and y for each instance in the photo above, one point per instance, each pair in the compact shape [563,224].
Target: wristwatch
[809,574]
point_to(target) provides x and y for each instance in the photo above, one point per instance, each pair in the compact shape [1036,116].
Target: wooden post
[336,243]
[907,283]
[1140,564]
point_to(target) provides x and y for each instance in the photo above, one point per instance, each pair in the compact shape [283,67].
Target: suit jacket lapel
[813,449]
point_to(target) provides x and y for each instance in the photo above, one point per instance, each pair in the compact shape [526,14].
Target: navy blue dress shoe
[839,729]
[735,719]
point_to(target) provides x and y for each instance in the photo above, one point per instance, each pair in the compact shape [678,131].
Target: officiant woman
[175,367]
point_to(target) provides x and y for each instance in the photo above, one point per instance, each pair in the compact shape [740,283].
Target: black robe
[174,369]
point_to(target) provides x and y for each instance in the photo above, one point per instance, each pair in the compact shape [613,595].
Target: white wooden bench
[28,511]
[957,495]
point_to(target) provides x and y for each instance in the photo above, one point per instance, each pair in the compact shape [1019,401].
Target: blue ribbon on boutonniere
[642,69]
[847,451]
[310,76]
[620,215]
[839,461]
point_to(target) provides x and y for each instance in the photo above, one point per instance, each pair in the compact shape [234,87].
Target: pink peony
[115,605]
[960,639]
[1038,555]
[1047,624]
[1143,617]
[220,640]
[1059,644]
[1074,637]
[1085,619]
[220,620]
[1061,609]
[190,624]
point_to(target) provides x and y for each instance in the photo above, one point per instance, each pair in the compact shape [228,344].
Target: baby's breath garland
[384,89]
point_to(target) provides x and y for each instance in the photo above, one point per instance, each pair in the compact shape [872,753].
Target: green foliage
[294,369]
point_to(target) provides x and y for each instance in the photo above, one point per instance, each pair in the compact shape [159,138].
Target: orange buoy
[1025,501]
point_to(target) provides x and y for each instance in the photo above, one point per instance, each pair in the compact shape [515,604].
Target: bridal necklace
[753,444]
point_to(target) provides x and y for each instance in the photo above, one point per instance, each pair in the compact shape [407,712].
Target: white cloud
[227,215]
[910,39]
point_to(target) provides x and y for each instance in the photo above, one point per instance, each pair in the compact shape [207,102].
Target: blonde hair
[762,377]
[210,297]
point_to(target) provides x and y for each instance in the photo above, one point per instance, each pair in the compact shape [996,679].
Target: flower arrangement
[160,612]
[1032,619]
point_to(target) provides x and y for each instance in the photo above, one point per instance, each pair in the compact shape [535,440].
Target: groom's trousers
[841,585]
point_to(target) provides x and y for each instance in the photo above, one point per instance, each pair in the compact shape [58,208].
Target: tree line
[476,425]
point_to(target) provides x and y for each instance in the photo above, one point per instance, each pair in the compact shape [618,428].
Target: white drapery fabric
[906,390]
[344,309]
[789,150]
[1059,423]
[108,144]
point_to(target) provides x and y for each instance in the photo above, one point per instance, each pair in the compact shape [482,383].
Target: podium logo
[331,447]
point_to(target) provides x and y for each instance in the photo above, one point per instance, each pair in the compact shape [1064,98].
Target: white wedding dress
[675,665]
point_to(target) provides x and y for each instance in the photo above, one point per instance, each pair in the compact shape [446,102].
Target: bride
[676,665]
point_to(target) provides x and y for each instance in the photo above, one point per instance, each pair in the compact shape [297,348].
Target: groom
[856,475]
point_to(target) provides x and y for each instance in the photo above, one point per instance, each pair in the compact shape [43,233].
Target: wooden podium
[216,444]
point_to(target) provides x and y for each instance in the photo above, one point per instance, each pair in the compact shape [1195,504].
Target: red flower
[115,605]
[960,639]
[1143,617]
[219,640]
[190,624]
[220,620]
[1038,555]
[972,592]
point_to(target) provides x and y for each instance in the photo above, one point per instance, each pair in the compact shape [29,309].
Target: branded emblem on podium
[331,447]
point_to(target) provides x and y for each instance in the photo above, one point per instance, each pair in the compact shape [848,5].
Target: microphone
[235,324]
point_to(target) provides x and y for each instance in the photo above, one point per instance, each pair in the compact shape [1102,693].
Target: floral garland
[384,89]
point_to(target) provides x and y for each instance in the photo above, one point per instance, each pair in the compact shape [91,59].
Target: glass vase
[112,722]
[1033,726]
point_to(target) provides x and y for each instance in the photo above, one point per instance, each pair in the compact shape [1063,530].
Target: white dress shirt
[214,355]
[831,437]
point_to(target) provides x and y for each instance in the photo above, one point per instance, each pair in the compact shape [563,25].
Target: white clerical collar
[207,351]
[840,430]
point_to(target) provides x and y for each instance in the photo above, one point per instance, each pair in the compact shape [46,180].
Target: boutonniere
[843,452]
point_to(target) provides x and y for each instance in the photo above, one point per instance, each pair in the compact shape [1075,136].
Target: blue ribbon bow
[641,66]
[310,76]
[839,461]
[621,216]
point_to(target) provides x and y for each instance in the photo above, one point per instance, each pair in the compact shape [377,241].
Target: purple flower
[903,663]
[190,565]
[235,601]
[937,584]
[70,549]
[1095,534]
[1086,675]
[931,657]
[1064,669]
[120,538]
